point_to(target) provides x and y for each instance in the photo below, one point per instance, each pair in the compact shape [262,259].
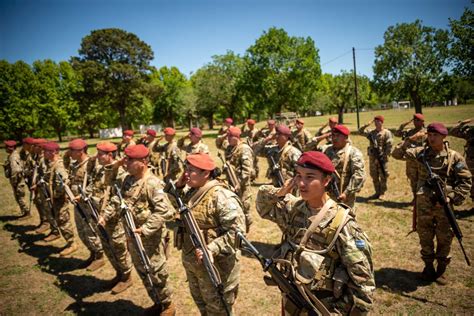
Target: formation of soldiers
[131,198]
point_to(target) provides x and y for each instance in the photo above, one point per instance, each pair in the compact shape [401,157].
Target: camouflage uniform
[39,198]
[221,140]
[122,146]
[354,174]
[14,167]
[411,169]
[249,135]
[430,218]
[466,132]
[384,144]
[345,267]
[301,138]
[217,213]
[199,147]
[170,160]
[151,209]
[264,133]
[154,156]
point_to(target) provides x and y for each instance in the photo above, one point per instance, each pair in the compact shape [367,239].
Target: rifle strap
[197,197]
[315,221]
[312,299]
[345,163]
[284,151]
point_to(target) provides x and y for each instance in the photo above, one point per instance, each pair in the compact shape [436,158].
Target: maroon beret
[437,128]
[169,131]
[106,146]
[40,141]
[137,151]
[379,118]
[196,132]
[419,117]
[234,131]
[128,132]
[316,160]
[29,140]
[10,143]
[284,130]
[77,144]
[50,146]
[271,122]
[229,120]
[202,161]
[341,129]
[151,132]
[251,121]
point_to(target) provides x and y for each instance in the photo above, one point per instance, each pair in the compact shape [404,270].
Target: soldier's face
[436,140]
[49,154]
[104,157]
[311,183]
[332,124]
[195,177]
[299,126]
[169,138]
[271,126]
[418,123]
[75,154]
[150,138]
[194,139]
[338,140]
[135,166]
[281,139]
[233,141]
[378,123]
[250,126]
[9,149]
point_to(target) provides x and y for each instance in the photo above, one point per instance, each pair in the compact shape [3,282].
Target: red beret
[251,122]
[284,130]
[151,132]
[29,140]
[437,128]
[333,119]
[10,143]
[50,146]
[419,117]
[40,141]
[341,129]
[202,161]
[169,131]
[271,122]
[300,121]
[128,132]
[316,160]
[106,146]
[196,132]
[137,151]
[77,144]
[379,118]
[229,120]
[234,131]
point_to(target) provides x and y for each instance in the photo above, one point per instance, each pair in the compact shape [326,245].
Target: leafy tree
[205,82]
[462,44]
[410,61]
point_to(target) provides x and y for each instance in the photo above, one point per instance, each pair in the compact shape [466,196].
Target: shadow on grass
[81,286]
[388,204]
[7,218]
[265,249]
[118,307]
[461,214]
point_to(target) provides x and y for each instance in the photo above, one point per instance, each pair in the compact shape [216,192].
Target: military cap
[229,120]
[106,146]
[50,146]
[284,130]
[379,118]
[28,140]
[77,144]
[251,121]
[300,121]
[234,131]
[10,143]
[333,119]
[271,122]
[437,128]
[341,129]
[196,132]
[128,132]
[151,132]
[169,131]
[316,160]
[136,151]
[202,161]
[419,117]
[40,141]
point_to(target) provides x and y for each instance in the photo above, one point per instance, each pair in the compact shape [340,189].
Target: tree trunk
[210,121]
[415,98]
[123,121]
[58,132]
[340,114]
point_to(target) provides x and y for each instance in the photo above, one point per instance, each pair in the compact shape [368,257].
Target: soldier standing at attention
[249,132]
[349,164]
[431,219]
[300,135]
[39,199]
[170,154]
[127,140]
[218,212]
[241,157]
[221,140]
[463,130]
[322,241]
[379,150]
[196,145]
[151,209]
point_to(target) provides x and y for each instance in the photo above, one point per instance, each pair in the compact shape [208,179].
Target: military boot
[71,248]
[97,263]
[43,227]
[168,310]
[153,310]
[124,283]
[429,273]
[440,271]
[51,237]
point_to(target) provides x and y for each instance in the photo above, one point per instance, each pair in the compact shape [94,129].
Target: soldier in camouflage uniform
[300,136]
[249,132]
[267,132]
[349,164]
[241,158]
[196,145]
[60,211]
[102,178]
[323,133]
[13,168]
[79,172]
[218,212]
[127,140]
[463,130]
[151,209]
[383,146]
[39,199]
[330,254]
[221,140]
[431,220]
[170,155]
[150,141]
[283,153]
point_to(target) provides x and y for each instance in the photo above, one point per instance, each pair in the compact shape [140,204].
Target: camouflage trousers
[158,268]
[470,165]
[40,206]
[203,292]
[378,178]
[411,171]
[88,236]
[116,248]
[63,219]
[245,195]
[431,222]
[19,191]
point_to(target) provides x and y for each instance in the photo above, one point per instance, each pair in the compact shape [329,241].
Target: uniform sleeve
[181,142]
[459,132]
[16,167]
[399,131]
[357,171]
[388,143]
[362,130]
[59,189]
[402,152]
[273,208]
[247,165]
[463,180]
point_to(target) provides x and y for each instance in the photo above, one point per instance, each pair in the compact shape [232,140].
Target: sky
[187,33]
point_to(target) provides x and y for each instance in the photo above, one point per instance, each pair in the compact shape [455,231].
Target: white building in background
[401,105]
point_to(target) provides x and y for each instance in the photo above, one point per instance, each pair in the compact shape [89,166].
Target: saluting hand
[287,187]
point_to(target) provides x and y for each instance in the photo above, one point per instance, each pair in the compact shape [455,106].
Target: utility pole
[355,86]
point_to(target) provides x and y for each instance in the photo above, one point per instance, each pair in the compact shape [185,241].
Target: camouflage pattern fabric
[199,147]
[467,133]
[172,154]
[14,171]
[301,138]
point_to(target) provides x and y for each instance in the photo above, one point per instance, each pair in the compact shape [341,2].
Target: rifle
[372,138]
[287,286]
[136,239]
[334,185]
[435,183]
[230,174]
[47,196]
[276,172]
[198,242]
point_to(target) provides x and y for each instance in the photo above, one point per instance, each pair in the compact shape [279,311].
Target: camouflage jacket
[301,138]
[263,133]
[122,146]
[221,139]
[326,257]
[250,136]
[384,141]
[171,156]
[13,167]
[466,132]
[199,147]
[286,157]
[56,189]
[241,157]
[79,173]
[448,164]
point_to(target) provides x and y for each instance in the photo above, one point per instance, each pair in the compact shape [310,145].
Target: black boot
[429,273]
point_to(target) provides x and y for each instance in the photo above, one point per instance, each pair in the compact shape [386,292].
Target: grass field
[35,281]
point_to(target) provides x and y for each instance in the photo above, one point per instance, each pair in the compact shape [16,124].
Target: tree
[410,61]
[282,72]
[114,65]
[462,44]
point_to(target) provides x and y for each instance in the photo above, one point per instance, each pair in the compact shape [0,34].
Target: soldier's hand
[181,182]
[101,221]
[342,197]
[138,231]
[467,121]
[77,198]
[287,187]
[200,255]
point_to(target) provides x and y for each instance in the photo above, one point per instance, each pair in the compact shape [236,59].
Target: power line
[330,61]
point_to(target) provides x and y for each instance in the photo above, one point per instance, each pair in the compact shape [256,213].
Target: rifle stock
[276,172]
[230,174]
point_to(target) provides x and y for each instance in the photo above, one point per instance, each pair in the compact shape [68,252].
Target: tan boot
[43,227]
[51,237]
[71,248]
[441,278]
[124,284]
[97,263]
[169,310]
